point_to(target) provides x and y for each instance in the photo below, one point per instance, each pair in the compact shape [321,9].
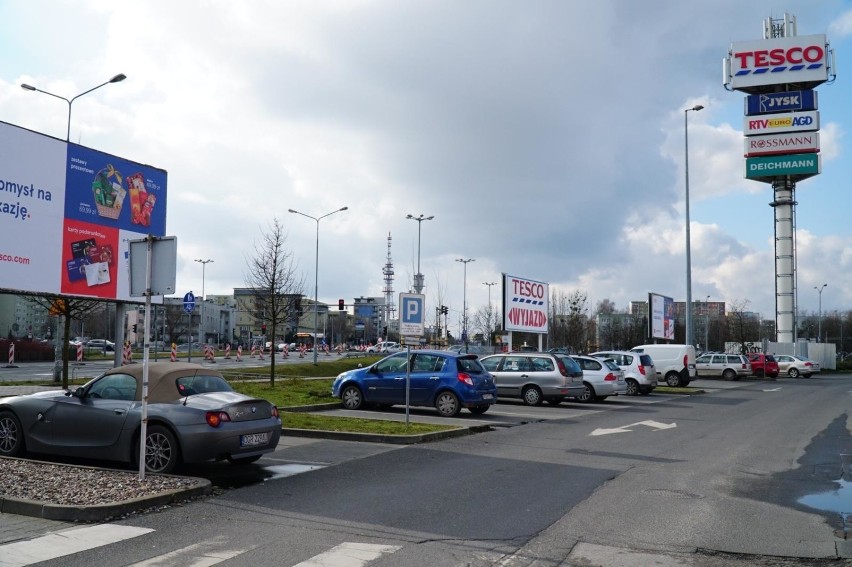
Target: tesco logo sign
[525,288]
[792,56]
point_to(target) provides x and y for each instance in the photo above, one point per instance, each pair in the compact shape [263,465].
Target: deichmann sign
[777,123]
[798,59]
[525,304]
[778,144]
[780,102]
[800,165]
[67,213]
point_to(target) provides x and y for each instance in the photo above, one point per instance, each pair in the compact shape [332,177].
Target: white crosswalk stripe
[65,542]
[348,554]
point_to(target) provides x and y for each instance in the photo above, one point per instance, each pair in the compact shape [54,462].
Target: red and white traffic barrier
[11,353]
[261,352]
[228,351]
[173,356]
[286,351]
[208,353]
[302,349]
[80,352]
[239,353]
[126,354]
[325,348]
[253,351]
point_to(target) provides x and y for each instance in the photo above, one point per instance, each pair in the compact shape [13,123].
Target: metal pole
[689,336]
[819,323]
[418,277]
[464,299]
[490,329]
[201,321]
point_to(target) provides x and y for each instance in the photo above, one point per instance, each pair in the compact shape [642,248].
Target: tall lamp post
[201,337]
[464,299]
[418,277]
[117,79]
[316,272]
[707,323]
[689,337]
[819,325]
[489,284]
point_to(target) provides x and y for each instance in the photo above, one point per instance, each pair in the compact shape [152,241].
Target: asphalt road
[712,479]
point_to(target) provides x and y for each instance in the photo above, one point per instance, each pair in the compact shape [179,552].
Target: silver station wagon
[535,377]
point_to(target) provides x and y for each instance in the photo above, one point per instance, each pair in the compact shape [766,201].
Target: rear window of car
[611,364]
[201,384]
[469,363]
[571,365]
[646,360]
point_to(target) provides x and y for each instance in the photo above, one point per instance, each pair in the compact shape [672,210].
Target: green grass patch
[357,425]
[307,369]
[677,390]
[289,391]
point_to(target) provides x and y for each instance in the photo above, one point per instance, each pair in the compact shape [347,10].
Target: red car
[764,365]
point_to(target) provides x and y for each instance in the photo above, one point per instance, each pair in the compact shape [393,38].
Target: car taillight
[561,366]
[215,418]
[274,411]
[686,361]
[641,369]
[610,378]
[464,377]
[808,364]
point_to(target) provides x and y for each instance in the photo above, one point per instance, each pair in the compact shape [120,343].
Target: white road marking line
[348,554]
[624,428]
[195,555]
[65,542]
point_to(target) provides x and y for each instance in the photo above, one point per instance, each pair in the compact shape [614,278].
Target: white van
[675,364]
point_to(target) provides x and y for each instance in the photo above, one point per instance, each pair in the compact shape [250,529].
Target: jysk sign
[799,59]
[778,144]
[777,123]
[411,314]
[801,166]
[780,102]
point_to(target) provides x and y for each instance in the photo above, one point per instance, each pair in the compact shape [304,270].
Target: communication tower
[387,272]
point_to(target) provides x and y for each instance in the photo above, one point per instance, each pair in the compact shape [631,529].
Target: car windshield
[201,384]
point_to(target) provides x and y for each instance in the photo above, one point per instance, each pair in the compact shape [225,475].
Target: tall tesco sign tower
[781,125]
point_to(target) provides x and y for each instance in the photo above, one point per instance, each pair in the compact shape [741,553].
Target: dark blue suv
[446,380]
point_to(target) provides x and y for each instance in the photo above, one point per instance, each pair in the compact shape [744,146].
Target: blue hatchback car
[447,380]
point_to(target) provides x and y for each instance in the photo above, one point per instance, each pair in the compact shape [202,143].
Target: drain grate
[673,493]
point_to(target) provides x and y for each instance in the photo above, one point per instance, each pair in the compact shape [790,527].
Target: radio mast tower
[387,271]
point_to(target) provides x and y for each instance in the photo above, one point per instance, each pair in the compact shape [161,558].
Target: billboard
[525,304]
[776,144]
[662,319]
[68,213]
[801,166]
[786,101]
[801,59]
[778,123]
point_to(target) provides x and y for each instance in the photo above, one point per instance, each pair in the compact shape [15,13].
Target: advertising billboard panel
[778,123]
[801,59]
[68,214]
[525,304]
[662,319]
[777,144]
[788,101]
[801,166]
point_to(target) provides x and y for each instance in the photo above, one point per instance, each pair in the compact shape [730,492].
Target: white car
[796,366]
[380,346]
[639,371]
[601,378]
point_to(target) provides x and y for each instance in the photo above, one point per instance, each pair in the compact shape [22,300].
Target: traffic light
[134,327]
[340,304]
[444,310]
[263,328]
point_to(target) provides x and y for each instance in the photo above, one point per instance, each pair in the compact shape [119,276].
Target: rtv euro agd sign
[525,304]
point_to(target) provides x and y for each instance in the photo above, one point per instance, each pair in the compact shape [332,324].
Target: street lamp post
[819,325]
[316,272]
[201,337]
[418,277]
[464,299]
[490,330]
[117,79]
[689,337]
[707,323]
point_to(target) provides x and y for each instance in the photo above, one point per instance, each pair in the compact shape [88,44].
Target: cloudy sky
[546,138]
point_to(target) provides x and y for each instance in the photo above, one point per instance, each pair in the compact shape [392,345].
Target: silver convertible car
[193,416]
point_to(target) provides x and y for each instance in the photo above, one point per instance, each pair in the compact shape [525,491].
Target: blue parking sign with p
[412,314]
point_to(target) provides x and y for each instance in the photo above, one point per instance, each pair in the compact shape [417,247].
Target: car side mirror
[77,393]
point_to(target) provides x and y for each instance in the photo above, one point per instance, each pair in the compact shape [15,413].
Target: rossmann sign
[525,306]
[778,144]
[778,123]
[777,61]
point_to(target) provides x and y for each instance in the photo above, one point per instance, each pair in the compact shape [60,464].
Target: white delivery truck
[675,364]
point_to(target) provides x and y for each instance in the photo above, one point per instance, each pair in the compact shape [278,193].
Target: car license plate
[487,396]
[254,439]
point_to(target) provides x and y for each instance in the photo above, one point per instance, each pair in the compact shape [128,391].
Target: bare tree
[277,289]
[69,308]
[743,325]
[568,319]
[605,307]
[485,321]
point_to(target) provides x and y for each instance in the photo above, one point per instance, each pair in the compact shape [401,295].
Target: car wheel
[673,379]
[447,404]
[351,397]
[600,398]
[632,387]
[11,435]
[729,374]
[758,373]
[479,410]
[554,401]
[532,396]
[243,460]
[793,372]
[588,393]
[161,450]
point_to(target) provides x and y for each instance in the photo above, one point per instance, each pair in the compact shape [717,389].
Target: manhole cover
[672,493]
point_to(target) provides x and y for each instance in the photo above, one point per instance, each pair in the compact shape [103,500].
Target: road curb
[382,438]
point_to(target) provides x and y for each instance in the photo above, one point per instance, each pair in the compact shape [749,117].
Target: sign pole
[143,432]
[407,381]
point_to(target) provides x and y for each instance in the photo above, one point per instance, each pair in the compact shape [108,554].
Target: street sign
[188,302]
[412,313]
[800,166]
[785,101]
